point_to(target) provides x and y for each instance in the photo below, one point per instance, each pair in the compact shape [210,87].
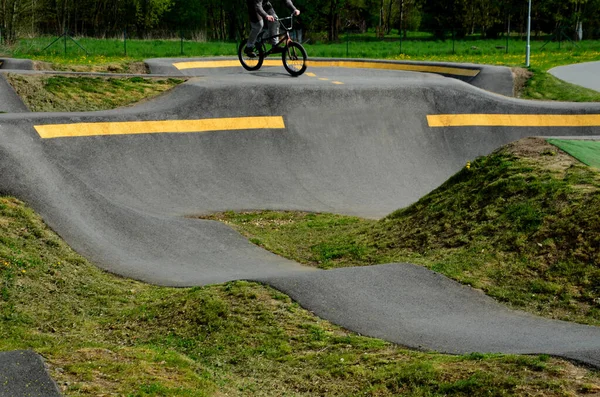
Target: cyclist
[258,10]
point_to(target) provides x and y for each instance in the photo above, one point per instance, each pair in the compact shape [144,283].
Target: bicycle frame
[293,55]
[282,37]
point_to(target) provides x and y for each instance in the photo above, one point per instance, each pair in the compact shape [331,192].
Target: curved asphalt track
[583,74]
[356,141]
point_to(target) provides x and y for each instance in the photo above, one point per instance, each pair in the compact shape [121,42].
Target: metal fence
[350,43]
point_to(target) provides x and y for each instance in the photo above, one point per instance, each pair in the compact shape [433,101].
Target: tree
[149,12]
[13,13]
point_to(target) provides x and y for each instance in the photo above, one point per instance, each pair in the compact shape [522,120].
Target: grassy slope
[523,224]
[104,335]
[43,93]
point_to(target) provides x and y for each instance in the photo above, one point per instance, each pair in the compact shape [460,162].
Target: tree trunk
[333,29]
[388,22]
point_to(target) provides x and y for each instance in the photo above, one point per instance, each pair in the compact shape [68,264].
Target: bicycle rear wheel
[248,62]
[294,59]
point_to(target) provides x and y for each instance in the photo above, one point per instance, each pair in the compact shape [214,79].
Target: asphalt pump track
[121,187]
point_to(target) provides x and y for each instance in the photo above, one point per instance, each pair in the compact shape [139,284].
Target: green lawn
[109,55]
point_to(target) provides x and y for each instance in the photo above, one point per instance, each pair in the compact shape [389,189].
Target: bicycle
[293,57]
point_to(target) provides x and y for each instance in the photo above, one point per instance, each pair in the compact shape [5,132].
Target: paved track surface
[23,373]
[10,101]
[355,142]
[421,309]
[583,74]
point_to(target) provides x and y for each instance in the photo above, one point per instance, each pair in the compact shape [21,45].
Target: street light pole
[527,62]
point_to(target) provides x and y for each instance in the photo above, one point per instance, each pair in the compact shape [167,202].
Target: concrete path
[119,187]
[584,74]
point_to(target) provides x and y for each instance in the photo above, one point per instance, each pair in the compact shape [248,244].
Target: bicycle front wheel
[251,62]
[294,59]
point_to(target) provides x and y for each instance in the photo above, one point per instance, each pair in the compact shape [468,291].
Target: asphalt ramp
[24,373]
[122,188]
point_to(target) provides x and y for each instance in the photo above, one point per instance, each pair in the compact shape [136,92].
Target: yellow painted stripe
[395,66]
[158,127]
[513,120]
[338,64]
[337,82]
[311,74]
[220,64]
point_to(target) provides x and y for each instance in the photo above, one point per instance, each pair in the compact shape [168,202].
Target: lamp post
[527,62]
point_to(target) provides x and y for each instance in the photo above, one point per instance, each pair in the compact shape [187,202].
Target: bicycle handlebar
[291,18]
[283,19]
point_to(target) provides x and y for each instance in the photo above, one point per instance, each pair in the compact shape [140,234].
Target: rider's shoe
[277,50]
[249,51]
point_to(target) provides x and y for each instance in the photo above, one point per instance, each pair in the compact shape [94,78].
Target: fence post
[347,45]
[559,37]
[181,33]
[507,33]
[401,34]
[453,42]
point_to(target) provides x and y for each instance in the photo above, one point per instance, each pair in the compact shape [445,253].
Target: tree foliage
[324,19]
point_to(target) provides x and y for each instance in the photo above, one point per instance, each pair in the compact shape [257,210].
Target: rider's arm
[259,8]
[291,6]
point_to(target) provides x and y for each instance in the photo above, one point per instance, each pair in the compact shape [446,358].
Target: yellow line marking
[311,74]
[158,127]
[206,64]
[323,79]
[337,82]
[396,66]
[513,120]
[221,64]
[457,71]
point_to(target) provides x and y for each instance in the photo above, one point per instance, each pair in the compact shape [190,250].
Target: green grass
[43,93]
[102,334]
[109,55]
[524,228]
[114,49]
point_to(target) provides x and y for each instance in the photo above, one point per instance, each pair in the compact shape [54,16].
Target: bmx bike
[293,55]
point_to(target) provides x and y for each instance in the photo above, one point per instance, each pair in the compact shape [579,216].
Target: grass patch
[108,55]
[540,85]
[522,224]
[43,93]
[102,334]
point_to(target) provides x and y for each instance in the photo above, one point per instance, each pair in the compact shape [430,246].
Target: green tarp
[588,152]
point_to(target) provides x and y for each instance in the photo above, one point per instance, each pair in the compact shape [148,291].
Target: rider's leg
[255,28]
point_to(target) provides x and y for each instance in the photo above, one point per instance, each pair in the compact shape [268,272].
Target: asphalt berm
[362,146]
